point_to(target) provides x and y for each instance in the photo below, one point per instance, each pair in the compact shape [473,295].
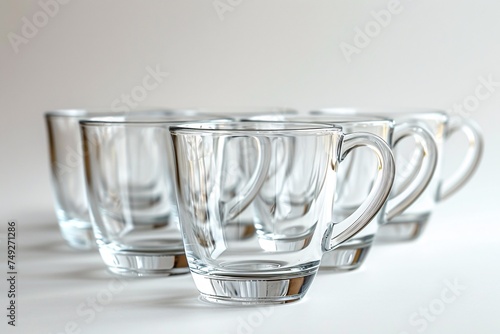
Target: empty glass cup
[66,166]
[129,169]
[292,207]
[411,223]
[358,172]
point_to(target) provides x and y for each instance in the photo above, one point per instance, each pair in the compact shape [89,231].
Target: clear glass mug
[293,209]
[358,172]
[410,224]
[67,177]
[66,166]
[129,173]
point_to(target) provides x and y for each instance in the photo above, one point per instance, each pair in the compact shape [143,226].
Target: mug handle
[421,177]
[237,204]
[474,153]
[337,233]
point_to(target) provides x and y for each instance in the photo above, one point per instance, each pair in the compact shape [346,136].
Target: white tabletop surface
[61,290]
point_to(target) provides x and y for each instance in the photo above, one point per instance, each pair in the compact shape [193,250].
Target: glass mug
[292,208]
[412,222]
[358,172]
[66,166]
[67,177]
[129,174]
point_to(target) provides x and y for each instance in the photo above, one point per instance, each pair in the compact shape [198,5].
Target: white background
[280,53]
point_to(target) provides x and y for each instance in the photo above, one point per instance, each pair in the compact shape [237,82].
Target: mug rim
[329,119]
[245,110]
[389,113]
[106,112]
[279,127]
[164,120]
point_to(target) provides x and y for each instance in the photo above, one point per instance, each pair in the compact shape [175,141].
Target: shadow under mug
[292,209]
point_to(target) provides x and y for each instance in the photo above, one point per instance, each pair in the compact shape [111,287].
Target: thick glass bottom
[403,228]
[146,263]
[253,289]
[348,256]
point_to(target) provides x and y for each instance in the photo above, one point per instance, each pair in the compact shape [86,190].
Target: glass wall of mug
[242,226]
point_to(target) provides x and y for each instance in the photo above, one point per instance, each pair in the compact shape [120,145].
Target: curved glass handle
[240,202]
[424,170]
[474,153]
[337,233]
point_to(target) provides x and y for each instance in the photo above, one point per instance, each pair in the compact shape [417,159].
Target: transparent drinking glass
[358,172]
[66,167]
[129,172]
[292,207]
[410,224]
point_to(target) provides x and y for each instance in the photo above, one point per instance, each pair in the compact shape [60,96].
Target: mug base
[349,256]
[78,234]
[252,290]
[134,263]
[403,228]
